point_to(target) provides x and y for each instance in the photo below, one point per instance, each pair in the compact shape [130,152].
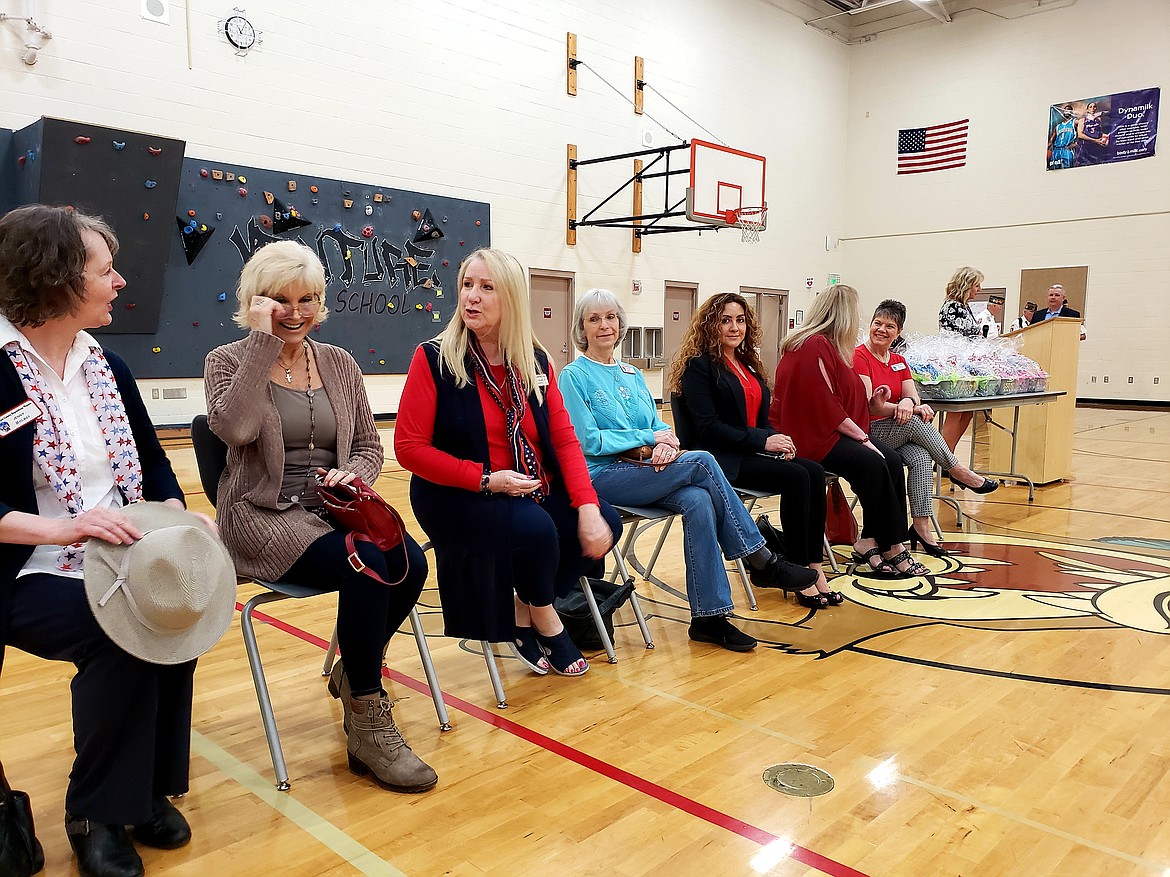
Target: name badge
[627,368]
[898,366]
[22,415]
[541,379]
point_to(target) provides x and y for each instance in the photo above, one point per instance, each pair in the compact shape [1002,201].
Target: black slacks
[880,484]
[131,719]
[801,485]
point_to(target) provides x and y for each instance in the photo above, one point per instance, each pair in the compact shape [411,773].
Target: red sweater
[807,408]
[416,452]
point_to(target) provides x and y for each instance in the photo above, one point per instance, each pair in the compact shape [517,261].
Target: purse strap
[351,540]
[5,789]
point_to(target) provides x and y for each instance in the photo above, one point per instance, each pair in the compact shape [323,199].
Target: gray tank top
[298,482]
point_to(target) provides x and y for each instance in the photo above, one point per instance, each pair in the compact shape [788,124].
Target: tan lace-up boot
[376,746]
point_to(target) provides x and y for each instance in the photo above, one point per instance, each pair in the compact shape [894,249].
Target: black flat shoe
[988,485]
[527,649]
[718,631]
[562,654]
[781,573]
[930,548]
[166,829]
[102,850]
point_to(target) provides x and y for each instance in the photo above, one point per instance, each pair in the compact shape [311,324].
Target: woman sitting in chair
[821,402]
[635,459]
[724,398]
[902,421]
[292,410]
[65,398]
[499,483]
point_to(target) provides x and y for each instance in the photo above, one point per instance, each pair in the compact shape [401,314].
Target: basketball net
[750,221]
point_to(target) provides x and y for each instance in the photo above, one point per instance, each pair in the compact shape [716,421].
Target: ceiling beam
[935,8]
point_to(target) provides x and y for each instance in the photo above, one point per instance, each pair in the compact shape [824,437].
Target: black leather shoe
[102,850]
[783,574]
[166,829]
[717,630]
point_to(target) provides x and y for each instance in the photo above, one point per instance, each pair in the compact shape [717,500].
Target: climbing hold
[430,307]
[154,150]
[191,213]
[292,185]
[368,231]
[217,175]
[204,172]
[81,141]
[242,178]
[369,209]
[435,318]
[195,323]
[348,202]
[446,263]
[381,362]
[313,189]
[268,197]
[478,223]
[130,305]
[348,254]
[243,192]
[444,219]
[119,144]
[20,161]
[337,226]
[222,296]
[157,349]
[461,243]
[146,216]
[418,307]
[371,350]
[219,216]
[265,221]
[230,177]
[313,201]
[416,215]
[378,197]
[150,184]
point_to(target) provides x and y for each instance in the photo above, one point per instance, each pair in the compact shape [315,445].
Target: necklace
[310,476]
[885,361]
[288,367]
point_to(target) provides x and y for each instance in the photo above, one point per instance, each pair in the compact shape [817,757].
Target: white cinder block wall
[467,98]
[1003,212]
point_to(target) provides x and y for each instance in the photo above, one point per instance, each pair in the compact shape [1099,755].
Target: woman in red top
[500,484]
[821,402]
[901,421]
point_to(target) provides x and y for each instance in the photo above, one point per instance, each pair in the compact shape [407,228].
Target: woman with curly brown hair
[719,380]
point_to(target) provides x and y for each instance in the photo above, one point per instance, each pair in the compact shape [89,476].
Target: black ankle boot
[166,829]
[102,850]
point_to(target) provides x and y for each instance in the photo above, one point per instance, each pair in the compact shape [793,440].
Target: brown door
[678,306]
[771,307]
[552,311]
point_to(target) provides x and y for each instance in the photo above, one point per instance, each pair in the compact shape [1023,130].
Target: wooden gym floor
[1005,716]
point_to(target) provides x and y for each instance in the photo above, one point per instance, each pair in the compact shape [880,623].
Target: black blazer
[715,409]
[1065,311]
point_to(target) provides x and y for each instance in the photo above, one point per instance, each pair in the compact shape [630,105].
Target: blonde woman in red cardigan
[821,403]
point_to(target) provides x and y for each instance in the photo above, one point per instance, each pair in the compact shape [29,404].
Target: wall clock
[239,31]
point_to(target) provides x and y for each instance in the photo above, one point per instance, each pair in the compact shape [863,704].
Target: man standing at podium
[1058,307]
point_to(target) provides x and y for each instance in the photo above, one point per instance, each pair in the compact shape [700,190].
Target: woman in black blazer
[716,379]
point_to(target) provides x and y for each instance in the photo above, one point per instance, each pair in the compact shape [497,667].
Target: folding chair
[489,655]
[211,458]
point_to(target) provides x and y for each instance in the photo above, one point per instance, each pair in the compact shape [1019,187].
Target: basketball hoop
[750,221]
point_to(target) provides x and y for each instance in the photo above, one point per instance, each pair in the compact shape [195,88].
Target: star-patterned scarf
[53,446]
[514,404]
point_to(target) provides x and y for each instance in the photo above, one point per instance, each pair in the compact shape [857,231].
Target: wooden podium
[1044,445]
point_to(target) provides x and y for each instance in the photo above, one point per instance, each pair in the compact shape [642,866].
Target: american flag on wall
[936,148]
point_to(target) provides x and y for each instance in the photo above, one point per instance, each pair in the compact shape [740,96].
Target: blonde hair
[703,338]
[961,283]
[280,267]
[518,343]
[836,314]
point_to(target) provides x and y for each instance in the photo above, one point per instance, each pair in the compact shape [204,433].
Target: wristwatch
[483,481]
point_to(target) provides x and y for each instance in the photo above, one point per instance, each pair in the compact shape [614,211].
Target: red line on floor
[639,784]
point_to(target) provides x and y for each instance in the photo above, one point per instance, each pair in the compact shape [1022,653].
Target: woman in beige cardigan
[291,410]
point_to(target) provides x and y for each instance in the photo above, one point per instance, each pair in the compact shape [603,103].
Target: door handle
[565,347]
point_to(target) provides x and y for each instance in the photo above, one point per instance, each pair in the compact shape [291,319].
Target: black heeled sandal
[527,649]
[930,548]
[814,601]
[882,570]
[913,570]
[562,653]
[835,598]
[988,485]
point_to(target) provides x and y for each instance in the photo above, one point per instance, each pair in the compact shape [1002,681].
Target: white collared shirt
[97,479]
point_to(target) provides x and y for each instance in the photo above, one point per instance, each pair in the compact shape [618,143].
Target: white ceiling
[854,20]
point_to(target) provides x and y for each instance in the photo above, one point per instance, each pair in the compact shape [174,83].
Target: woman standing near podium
[956,316]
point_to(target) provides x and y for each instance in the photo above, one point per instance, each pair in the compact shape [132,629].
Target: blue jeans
[713,516]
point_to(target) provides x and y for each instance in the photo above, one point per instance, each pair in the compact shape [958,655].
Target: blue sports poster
[1103,130]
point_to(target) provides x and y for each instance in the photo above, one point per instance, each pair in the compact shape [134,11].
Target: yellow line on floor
[321,829]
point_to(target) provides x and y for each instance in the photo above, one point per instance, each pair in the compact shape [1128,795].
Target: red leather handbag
[840,525]
[366,517]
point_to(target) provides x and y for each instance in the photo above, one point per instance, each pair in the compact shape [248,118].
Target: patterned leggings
[921,447]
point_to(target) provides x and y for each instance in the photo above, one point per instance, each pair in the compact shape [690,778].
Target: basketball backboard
[723,179]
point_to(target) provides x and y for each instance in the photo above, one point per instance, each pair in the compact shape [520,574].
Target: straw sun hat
[167,598]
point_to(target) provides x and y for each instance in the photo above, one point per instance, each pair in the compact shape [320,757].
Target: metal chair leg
[635,603]
[265,702]
[424,652]
[658,547]
[489,657]
[832,556]
[330,653]
[741,567]
[598,622]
